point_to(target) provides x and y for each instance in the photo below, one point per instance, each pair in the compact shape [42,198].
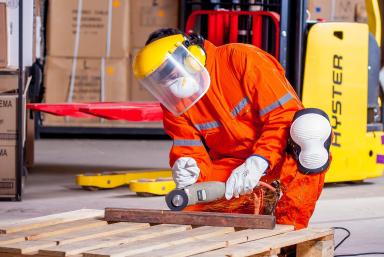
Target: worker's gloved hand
[185,172]
[245,177]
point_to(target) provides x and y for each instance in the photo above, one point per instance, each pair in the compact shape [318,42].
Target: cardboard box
[3,35]
[9,80]
[8,170]
[137,91]
[361,12]
[102,30]
[332,10]
[344,10]
[92,82]
[319,9]
[13,32]
[148,16]
[8,118]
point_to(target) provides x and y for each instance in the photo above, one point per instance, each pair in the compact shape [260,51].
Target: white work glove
[245,177]
[185,172]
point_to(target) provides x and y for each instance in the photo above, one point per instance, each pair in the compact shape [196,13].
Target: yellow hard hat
[153,55]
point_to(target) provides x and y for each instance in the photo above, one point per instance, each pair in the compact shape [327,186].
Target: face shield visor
[179,82]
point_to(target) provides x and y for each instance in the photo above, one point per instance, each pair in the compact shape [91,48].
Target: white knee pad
[310,140]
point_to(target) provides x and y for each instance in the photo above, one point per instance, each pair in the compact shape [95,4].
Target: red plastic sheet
[129,111]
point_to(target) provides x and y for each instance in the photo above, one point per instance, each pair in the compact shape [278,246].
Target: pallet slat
[27,246]
[49,220]
[159,243]
[269,243]
[38,233]
[195,247]
[88,245]
[208,244]
[192,218]
[33,246]
[252,234]
[99,232]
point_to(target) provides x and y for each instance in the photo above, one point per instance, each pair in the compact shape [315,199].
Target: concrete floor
[51,188]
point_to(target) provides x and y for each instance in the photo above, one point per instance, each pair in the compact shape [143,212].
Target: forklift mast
[293,28]
[332,66]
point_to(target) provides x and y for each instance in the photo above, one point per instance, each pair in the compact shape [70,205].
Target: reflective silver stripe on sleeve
[276,104]
[187,142]
[239,107]
[208,125]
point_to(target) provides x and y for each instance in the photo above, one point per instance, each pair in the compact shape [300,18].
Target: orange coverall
[247,110]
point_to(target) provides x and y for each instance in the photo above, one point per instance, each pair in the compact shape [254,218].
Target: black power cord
[352,254]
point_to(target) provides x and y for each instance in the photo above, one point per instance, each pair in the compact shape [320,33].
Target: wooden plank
[191,248]
[252,234]
[33,246]
[11,239]
[26,246]
[48,231]
[29,255]
[269,243]
[68,227]
[208,244]
[24,255]
[104,231]
[88,245]
[158,243]
[315,249]
[191,218]
[50,220]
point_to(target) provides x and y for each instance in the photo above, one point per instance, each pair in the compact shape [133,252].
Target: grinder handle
[205,192]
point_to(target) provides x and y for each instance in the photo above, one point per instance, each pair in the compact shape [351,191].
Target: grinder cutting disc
[177,200]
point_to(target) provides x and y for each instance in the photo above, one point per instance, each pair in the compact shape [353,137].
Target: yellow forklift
[333,66]
[340,76]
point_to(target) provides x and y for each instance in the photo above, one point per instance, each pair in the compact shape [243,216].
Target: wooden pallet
[84,233]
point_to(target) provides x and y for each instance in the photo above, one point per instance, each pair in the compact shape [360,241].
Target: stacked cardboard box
[88,50]
[146,17]
[9,33]
[92,80]
[338,10]
[8,135]
[9,62]
[91,45]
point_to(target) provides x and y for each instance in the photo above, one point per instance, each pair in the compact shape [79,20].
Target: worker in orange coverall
[230,112]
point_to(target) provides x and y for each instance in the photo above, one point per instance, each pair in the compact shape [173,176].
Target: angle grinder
[203,192]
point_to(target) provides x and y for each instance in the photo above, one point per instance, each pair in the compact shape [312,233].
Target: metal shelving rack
[20,113]
[20,169]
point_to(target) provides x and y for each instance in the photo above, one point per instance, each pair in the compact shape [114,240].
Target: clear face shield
[179,82]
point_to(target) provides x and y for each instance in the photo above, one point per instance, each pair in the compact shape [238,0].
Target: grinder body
[203,192]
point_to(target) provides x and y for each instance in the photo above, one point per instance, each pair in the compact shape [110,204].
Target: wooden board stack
[85,233]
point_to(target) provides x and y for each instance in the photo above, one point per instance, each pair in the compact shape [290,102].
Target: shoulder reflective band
[208,125]
[239,107]
[187,142]
[276,104]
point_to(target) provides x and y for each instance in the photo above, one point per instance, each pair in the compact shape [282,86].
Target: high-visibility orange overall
[247,110]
